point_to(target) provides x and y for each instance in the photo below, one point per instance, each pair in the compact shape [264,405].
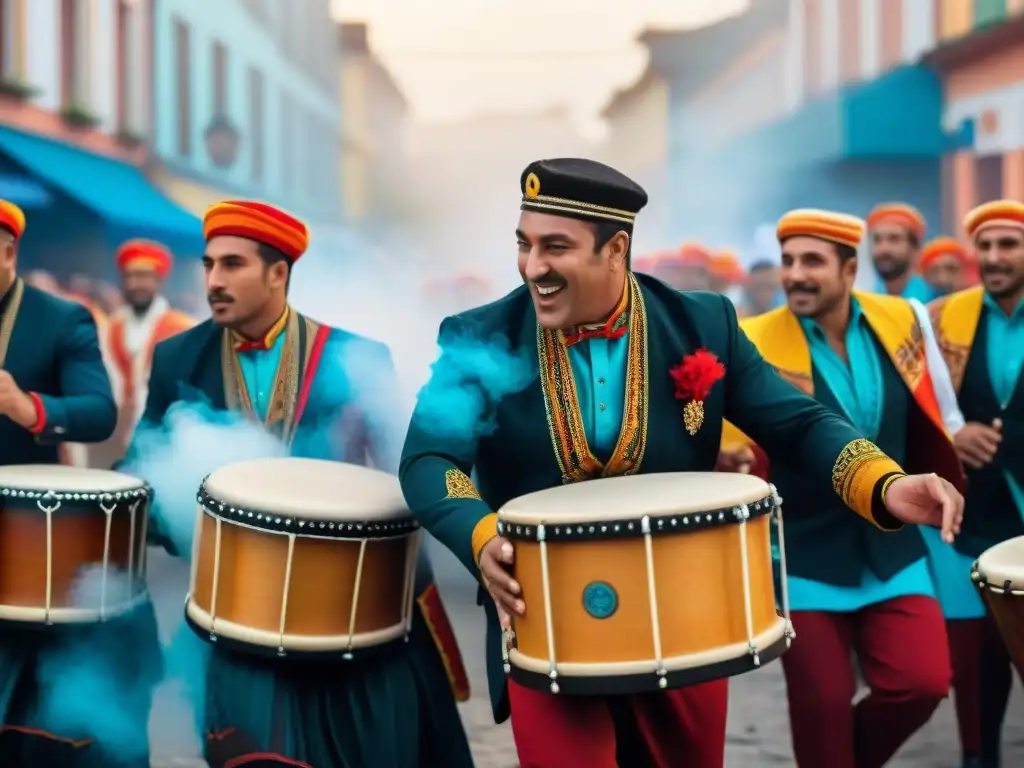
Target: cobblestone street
[758,725]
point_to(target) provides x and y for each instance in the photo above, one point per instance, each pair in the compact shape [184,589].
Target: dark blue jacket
[54,352]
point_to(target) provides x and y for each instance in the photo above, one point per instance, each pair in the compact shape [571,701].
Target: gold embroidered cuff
[861,464]
[483,532]
[457,485]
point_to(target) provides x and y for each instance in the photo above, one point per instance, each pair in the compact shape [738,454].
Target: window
[257,116]
[69,52]
[12,40]
[123,47]
[988,174]
[219,67]
[183,70]
[287,144]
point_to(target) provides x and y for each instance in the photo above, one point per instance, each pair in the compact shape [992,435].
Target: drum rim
[50,489]
[275,522]
[666,524]
[99,496]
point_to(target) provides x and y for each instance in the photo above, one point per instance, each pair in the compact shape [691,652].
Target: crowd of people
[904,262]
[867,411]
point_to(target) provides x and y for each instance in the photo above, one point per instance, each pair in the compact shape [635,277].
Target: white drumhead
[619,498]
[310,488]
[1004,562]
[61,479]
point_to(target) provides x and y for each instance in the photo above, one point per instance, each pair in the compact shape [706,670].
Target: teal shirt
[1005,364]
[599,370]
[259,368]
[858,388]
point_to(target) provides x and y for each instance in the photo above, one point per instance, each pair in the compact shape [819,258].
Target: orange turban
[943,246]
[260,222]
[824,225]
[998,213]
[145,254]
[691,255]
[725,266]
[900,214]
[12,218]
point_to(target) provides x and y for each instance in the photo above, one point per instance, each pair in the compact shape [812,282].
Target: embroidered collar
[243,344]
[614,327]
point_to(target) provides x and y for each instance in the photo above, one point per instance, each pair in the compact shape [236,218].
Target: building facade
[860,118]
[375,122]
[246,104]
[74,115]
[637,144]
[980,56]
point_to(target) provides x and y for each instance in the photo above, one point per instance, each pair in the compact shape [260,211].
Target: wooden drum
[644,582]
[302,557]
[56,524]
[999,574]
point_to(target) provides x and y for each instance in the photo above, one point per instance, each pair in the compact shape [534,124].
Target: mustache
[995,269]
[549,280]
[801,288]
[217,297]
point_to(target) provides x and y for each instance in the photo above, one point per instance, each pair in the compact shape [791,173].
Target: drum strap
[561,402]
[9,316]
[281,417]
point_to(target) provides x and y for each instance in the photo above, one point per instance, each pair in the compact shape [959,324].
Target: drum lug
[752,648]
[281,652]
[662,680]
[348,656]
[553,674]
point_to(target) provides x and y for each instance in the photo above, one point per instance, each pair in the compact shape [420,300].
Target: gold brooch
[693,416]
[532,186]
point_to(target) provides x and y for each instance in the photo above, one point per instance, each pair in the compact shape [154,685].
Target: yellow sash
[781,341]
[9,317]
[955,320]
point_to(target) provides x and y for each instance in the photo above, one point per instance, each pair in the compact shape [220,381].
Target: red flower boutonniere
[694,377]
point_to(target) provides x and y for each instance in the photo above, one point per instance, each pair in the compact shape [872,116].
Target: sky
[456,58]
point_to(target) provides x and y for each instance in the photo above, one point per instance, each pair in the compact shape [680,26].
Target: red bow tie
[259,345]
[585,333]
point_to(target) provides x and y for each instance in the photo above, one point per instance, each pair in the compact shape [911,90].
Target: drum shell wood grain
[252,577]
[78,541]
[699,580]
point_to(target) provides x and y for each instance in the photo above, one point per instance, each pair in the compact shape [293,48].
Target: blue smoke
[469,377]
[174,458]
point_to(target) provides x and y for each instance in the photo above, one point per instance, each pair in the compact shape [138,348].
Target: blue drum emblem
[600,599]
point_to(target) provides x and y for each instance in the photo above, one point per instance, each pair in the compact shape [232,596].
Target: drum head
[616,498]
[1004,562]
[61,479]
[312,489]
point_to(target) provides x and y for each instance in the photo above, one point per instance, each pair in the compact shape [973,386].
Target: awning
[897,115]
[115,191]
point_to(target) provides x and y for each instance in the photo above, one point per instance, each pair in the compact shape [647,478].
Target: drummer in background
[981,335]
[944,262]
[600,336]
[855,589]
[897,231]
[53,387]
[144,319]
[326,394]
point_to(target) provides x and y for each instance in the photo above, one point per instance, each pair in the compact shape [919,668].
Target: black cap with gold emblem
[581,189]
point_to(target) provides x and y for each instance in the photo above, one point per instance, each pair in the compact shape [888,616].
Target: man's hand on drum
[735,458]
[15,404]
[495,564]
[926,500]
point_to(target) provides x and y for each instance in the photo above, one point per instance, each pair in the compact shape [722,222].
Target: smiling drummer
[853,588]
[589,370]
[329,394]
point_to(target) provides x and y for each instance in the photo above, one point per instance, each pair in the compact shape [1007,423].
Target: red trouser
[684,728]
[904,656]
[982,679]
